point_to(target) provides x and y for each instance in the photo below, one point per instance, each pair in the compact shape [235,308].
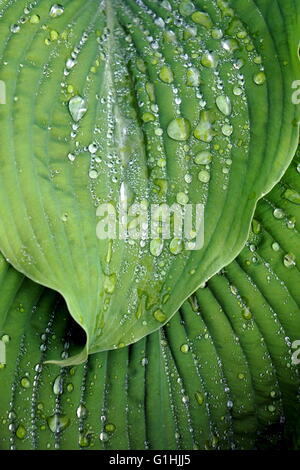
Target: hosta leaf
[151,101]
[220,374]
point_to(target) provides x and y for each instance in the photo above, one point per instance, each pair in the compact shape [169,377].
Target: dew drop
[203,158]
[179,129]
[199,17]
[259,78]
[278,213]
[182,198]
[77,107]
[224,104]
[156,246]
[193,77]
[159,316]
[203,130]
[21,432]
[209,60]
[204,176]
[289,260]
[227,130]
[176,246]
[93,174]
[56,10]
[166,74]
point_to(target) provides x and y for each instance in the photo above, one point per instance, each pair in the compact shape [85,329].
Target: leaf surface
[164,102]
[219,375]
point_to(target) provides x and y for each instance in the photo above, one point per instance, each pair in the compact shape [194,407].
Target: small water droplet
[259,78]
[56,10]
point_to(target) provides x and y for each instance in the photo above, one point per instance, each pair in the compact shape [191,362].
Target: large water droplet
[159,316]
[202,18]
[204,131]
[156,246]
[166,74]
[259,78]
[77,107]
[224,104]
[209,60]
[179,129]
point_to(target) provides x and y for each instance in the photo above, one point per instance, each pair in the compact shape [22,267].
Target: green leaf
[124,99]
[220,374]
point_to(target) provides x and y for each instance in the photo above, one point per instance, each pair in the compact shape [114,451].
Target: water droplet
[289,260]
[25,382]
[21,432]
[278,213]
[58,385]
[237,91]
[193,77]
[103,437]
[186,8]
[203,158]
[56,10]
[109,427]
[199,398]
[246,313]
[224,104]
[110,283]
[71,157]
[179,129]
[199,17]
[77,107]
[81,412]
[275,246]
[15,28]
[34,19]
[93,174]
[209,60]
[259,78]
[292,196]
[184,348]
[182,198]
[148,117]
[159,316]
[166,74]
[156,246]
[203,130]
[227,130]
[58,422]
[204,176]
[176,246]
